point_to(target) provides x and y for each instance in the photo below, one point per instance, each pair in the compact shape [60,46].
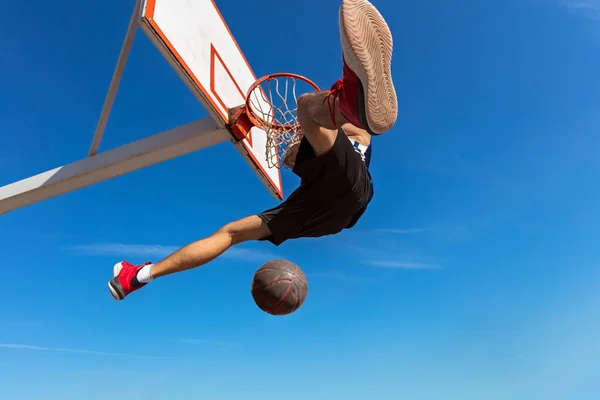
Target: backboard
[196,41]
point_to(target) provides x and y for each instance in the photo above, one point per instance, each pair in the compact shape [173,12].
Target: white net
[273,103]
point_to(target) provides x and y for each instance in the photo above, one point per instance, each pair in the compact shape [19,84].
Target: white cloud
[77,351]
[161,251]
[341,277]
[122,249]
[587,8]
[402,265]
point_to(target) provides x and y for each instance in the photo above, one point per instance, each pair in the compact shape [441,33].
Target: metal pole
[116,79]
[109,164]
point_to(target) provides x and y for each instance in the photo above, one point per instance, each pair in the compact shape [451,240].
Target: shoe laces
[331,98]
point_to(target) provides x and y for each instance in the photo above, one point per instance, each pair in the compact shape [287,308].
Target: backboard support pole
[149,151]
[116,80]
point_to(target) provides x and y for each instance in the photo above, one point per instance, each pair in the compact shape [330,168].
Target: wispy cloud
[402,265]
[160,251]
[588,8]
[400,231]
[341,277]
[122,249]
[77,351]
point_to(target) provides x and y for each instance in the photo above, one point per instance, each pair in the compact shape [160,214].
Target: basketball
[279,287]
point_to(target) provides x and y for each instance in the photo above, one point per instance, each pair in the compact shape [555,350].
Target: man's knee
[306,107]
[317,110]
[249,228]
[314,116]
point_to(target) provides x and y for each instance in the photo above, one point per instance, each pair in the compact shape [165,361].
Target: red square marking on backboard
[215,56]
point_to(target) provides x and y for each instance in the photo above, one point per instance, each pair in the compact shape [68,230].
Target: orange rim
[259,121]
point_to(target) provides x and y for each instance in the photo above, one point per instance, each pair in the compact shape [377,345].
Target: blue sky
[474,274]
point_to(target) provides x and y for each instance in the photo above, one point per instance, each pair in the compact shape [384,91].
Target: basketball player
[332,159]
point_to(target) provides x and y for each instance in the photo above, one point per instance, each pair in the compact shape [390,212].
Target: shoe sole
[367,46]
[116,290]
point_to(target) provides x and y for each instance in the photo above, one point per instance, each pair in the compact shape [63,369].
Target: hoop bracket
[239,124]
[271,104]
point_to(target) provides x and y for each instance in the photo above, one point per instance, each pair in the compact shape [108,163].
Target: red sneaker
[125,279]
[366,94]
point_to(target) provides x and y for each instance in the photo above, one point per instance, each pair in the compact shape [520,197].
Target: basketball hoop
[271,105]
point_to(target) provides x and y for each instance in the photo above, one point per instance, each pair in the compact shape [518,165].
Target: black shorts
[334,192]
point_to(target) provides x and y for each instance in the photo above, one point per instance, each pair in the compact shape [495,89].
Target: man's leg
[129,278]
[202,251]
[316,121]
[368,97]
[365,96]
